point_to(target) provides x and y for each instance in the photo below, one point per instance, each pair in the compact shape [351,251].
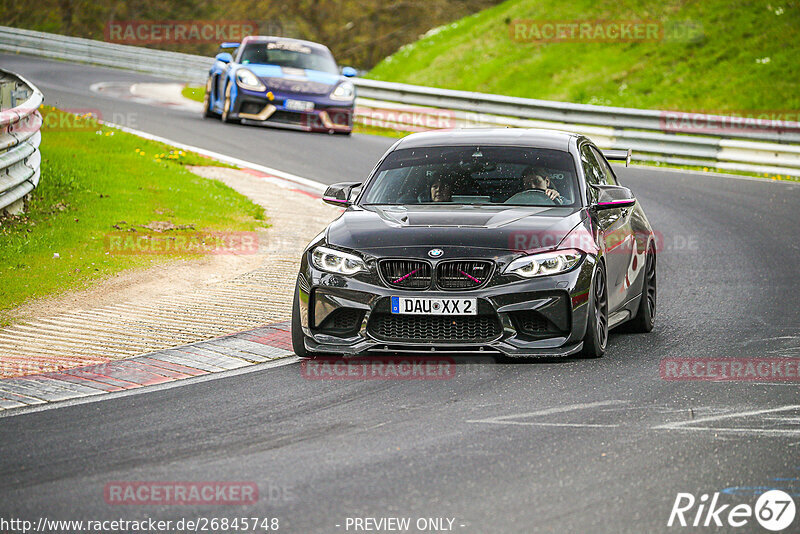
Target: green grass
[720,67]
[766,176]
[194,93]
[97,181]
[378,130]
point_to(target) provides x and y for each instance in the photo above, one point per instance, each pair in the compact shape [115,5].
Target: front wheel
[207,104]
[298,338]
[594,343]
[226,106]
[645,317]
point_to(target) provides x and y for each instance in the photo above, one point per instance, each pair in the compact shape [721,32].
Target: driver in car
[442,187]
[535,182]
[533,178]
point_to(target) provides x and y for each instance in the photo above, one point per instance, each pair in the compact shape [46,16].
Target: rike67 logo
[774,510]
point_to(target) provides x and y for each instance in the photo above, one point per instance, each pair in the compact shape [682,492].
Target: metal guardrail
[560,112]
[20,123]
[770,150]
[184,67]
[718,152]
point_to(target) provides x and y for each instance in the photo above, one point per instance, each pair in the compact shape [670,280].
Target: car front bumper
[326,116]
[544,316]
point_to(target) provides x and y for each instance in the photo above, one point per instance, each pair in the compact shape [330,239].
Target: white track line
[507,419]
[690,424]
[293,178]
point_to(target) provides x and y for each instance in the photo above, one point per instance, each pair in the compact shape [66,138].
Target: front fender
[230,81]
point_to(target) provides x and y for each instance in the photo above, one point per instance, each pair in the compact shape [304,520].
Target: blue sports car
[282,82]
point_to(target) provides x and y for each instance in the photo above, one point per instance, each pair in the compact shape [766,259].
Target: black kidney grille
[463,274]
[406,274]
[413,328]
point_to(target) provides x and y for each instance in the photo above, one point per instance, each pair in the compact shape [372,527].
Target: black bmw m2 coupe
[518,242]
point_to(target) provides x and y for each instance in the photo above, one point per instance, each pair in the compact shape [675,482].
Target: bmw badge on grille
[435,252]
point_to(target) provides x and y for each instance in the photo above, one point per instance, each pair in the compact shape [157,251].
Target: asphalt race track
[556,446]
[326,159]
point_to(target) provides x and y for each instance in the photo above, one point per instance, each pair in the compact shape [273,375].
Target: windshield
[288,54]
[513,176]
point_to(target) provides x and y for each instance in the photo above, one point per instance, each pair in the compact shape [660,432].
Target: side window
[611,178]
[591,172]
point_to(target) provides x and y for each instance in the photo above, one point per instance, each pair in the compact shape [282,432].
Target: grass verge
[98,181]
[710,55]
[196,93]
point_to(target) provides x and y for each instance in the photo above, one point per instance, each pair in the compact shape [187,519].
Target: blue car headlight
[247,80]
[344,91]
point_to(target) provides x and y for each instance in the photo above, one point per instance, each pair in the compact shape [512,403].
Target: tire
[226,107]
[596,339]
[207,111]
[298,338]
[645,317]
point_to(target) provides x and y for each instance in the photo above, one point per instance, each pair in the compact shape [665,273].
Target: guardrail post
[6,101]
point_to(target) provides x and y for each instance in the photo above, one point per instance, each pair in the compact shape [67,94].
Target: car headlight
[336,261]
[344,91]
[247,80]
[545,263]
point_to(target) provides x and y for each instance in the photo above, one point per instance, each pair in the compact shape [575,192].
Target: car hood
[271,72]
[486,227]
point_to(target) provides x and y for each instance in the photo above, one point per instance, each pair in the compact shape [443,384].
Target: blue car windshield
[288,54]
[493,175]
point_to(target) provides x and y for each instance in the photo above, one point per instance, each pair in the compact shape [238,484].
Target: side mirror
[224,57]
[613,196]
[339,194]
[349,72]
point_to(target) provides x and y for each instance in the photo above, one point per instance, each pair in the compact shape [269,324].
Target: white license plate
[426,306]
[298,105]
